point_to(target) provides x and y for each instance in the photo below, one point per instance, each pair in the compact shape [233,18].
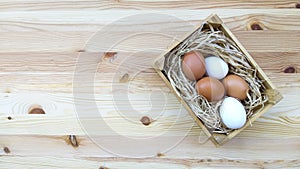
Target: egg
[232,113]
[216,67]
[236,87]
[193,65]
[210,88]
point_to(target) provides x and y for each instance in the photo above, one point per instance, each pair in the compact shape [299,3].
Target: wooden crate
[273,95]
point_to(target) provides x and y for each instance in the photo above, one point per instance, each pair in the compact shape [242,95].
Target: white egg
[233,113]
[216,67]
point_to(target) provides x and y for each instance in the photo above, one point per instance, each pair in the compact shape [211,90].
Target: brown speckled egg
[193,65]
[211,88]
[235,86]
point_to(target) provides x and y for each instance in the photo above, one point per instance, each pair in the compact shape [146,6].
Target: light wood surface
[42,40]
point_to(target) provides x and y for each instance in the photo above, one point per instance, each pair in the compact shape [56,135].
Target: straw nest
[211,41]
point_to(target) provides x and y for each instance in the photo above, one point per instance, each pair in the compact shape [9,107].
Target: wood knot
[36,109]
[297,5]
[81,50]
[290,69]
[103,167]
[109,55]
[124,78]
[256,26]
[160,155]
[6,150]
[146,120]
[71,139]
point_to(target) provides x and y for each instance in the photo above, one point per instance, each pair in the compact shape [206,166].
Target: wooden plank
[254,41]
[270,124]
[141,4]
[54,97]
[159,163]
[144,82]
[48,62]
[148,20]
[65,125]
[272,62]
[249,149]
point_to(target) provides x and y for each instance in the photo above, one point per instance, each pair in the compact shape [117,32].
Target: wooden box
[273,95]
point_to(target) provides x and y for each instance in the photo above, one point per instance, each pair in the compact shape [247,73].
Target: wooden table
[41,42]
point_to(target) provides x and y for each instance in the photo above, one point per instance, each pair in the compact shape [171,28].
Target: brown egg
[235,86]
[211,88]
[193,65]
